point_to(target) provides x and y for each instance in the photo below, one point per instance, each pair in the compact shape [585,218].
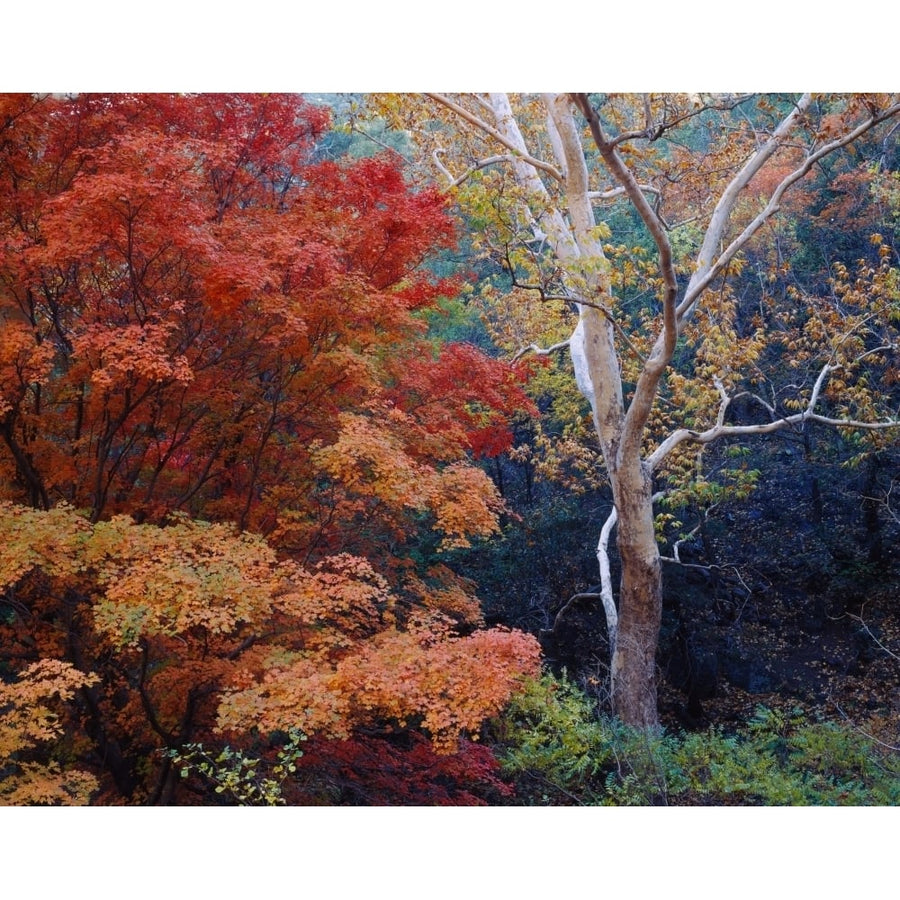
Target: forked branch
[720,430]
[709,265]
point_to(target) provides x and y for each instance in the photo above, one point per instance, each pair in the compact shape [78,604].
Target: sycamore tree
[622,224]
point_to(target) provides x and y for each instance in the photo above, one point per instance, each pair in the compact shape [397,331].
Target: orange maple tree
[195,309]
[202,321]
[194,630]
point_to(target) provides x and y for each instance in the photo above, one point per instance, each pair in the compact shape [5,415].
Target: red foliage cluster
[192,302]
[371,771]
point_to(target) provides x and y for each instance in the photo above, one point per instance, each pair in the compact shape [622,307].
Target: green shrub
[552,737]
[551,732]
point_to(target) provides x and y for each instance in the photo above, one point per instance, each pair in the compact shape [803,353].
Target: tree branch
[545,297]
[720,430]
[606,591]
[654,131]
[475,167]
[483,126]
[866,734]
[708,266]
[620,191]
[168,736]
[538,351]
[363,133]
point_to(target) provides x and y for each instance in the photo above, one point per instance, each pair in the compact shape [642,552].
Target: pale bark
[721,430]
[640,602]
[710,262]
[592,345]
[498,134]
[648,382]
[541,351]
[606,587]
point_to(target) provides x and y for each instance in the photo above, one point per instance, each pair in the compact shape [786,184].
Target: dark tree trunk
[633,669]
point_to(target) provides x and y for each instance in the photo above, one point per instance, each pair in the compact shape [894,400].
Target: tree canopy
[627,221]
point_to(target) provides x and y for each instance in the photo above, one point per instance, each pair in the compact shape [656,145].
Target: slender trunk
[30,475]
[633,669]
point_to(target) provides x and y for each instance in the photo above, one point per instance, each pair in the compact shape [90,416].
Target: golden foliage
[449,684]
[377,464]
[29,717]
[326,649]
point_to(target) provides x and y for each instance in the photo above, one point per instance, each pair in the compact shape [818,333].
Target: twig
[382,144]
[538,777]
[856,728]
[475,167]
[484,127]
[573,599]
[868,631]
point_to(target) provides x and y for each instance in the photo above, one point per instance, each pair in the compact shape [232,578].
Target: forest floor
[803,610]
[791,601]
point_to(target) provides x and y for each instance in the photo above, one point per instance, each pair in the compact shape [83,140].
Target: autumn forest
[449,449]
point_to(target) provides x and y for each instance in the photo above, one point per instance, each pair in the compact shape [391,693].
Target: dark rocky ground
[793,598]
[810,613]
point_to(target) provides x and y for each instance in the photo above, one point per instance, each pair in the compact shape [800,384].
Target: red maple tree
[201,321]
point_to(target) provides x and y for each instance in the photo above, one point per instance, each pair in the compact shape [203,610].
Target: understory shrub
[559,750]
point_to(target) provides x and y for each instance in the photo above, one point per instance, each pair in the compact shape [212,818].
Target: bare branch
[726,400]
[436,158]
[720,430]
[540,351]
[654,131]
[575,598]
[676,547]
[556,140]
[703,274]
[887,503]
[475,167]
[355,128]
[868,631]
[546,297]
[630,185]
[484,104]
[577,180]
[19,607]
[621,191]
[866,734]
[606,591]
[483,126]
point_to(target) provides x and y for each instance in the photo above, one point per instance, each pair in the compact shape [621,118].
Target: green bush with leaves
[550,732]
[556,746]
[240,779]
